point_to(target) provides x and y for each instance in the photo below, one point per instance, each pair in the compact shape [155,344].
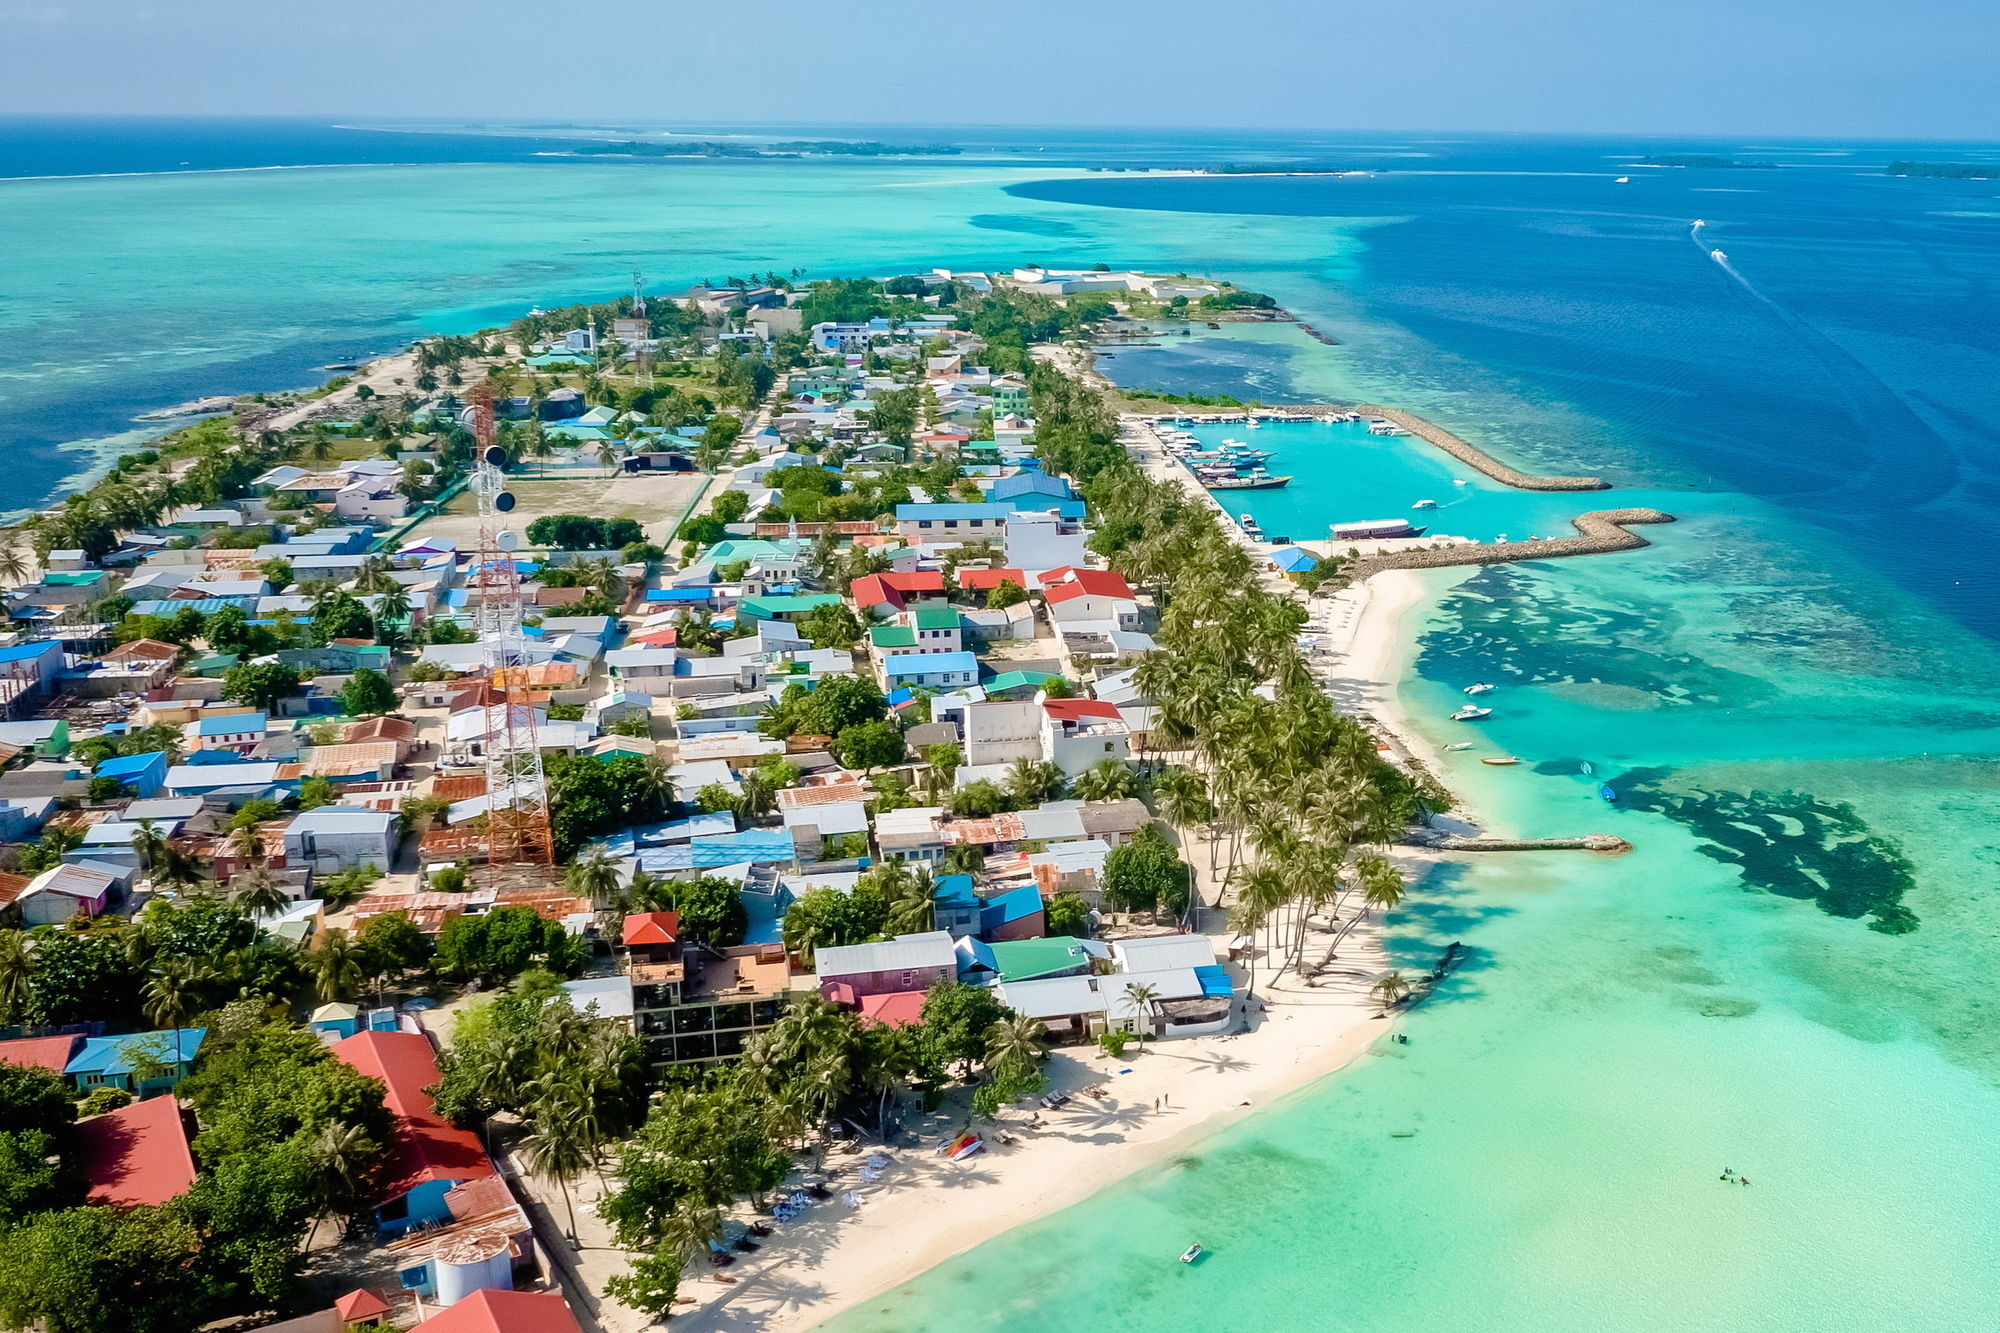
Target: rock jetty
[1475,457]
[1601,530]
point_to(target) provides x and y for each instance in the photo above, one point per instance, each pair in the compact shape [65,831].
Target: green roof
[892,636]
[71,578]
[788,606]
[1013,680]
[1024,960]
[934,617]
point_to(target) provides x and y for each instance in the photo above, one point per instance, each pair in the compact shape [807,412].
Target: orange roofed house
[427,1155]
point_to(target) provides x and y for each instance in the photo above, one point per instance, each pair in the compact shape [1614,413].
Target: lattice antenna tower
[642,354]
[517,792]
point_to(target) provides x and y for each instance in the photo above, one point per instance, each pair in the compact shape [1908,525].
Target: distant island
[1274,169]
[1950,171]
[788,148]
[1702,160]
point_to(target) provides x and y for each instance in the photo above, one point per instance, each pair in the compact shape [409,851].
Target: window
[909,978]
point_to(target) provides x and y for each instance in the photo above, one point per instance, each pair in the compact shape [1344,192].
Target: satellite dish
[504,502]
[495,455]
[508,540]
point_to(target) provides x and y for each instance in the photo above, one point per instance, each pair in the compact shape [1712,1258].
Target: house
[1037,539]
[643,670]
[936,627]
[503,1312]
[136,1155]
[30,668]
[920,524]
[930,670]
[145,774]
[792,608]
[850,973]
[955,908]
[141,1063]
[1001,732]
[485,1244]
[1014,915]
[910,835]
[427,1156]
[701,1006]
[1074,595]
[889,592]
[333,838]
[1077,733]
[1031,490]
[335,1019]
[85,888]
[232,730]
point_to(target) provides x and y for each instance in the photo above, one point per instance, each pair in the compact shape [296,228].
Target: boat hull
[1261,484]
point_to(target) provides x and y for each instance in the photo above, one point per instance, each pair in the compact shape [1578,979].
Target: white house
[998,732]
[1077,595]
[1040,539]
[333,838]
[1077,733]
[643,670]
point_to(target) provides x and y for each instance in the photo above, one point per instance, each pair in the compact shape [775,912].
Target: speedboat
[1460,481]
[1471,713]
[1425,504]
[1479,687]
[1462,745]
[1190,1254]
[1623,180]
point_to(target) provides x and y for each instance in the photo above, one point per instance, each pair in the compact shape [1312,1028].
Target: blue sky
[1893,68]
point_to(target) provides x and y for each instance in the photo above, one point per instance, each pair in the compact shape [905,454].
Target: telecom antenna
[642,353]
[517,792]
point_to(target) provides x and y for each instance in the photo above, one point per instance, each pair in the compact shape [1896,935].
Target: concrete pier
[1601,530]
[1475,457]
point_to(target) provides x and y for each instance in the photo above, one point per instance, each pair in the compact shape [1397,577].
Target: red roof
[492,1311]
[991,578]
[917,580]
[49,1053]
[652,928]
[137,1154]
[897,1009]
[360,1304]
[874,590]
[1059,585]
[425,1147]
[1075,710]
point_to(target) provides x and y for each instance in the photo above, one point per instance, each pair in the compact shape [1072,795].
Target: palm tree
[1105,780]
[149,844]
[1389,989]
[258,893]
[963,858]
[169,995]
[245,844]
[1016,1044]
[1032,782]
[335,963]
[17,970]
[341,1156]
[594,875]
[1142,996]
[555,1144]
[13,567]
[178,869]
[608,456]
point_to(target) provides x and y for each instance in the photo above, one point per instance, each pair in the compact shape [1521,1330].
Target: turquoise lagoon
[1792,691]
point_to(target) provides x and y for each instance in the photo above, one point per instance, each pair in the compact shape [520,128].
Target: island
[1951,171]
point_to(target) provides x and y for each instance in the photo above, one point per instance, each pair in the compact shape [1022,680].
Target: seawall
[1600,530]
[1475,457]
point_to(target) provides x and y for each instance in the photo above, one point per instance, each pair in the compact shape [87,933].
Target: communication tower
[517,792]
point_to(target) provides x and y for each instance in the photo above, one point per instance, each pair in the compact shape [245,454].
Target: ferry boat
[1374,530]
[1252,483]
[1471,713]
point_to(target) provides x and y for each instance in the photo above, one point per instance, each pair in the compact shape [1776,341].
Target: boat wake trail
[1868,399]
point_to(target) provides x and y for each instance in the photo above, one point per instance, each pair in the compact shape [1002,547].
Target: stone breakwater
[1601,530]
[1475,457]
[1602,843]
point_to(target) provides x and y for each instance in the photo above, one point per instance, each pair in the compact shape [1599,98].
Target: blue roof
[1291,559]
[22,652]
[975,955]
[133,763]
[917,511]
[923,664]
[753,845]
[1215,980]
[121,1055]
[1015,906]
[1031,483]
[954,891]
[230,724]
[679,594]
[206,758]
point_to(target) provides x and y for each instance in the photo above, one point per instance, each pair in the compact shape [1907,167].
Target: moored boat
[1479,687]
[1471,713]
[1502,762]
[1249,483]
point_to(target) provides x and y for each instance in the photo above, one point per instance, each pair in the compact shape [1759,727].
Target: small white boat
[1505,761]
[1462,745]
[1425,504]
[1190,1254]
[1479,687]
[1460,481]
[1718,256]
[1623,180]
[1471,713]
